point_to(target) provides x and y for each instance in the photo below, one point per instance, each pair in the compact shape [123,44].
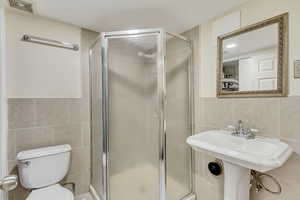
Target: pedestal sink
[239,156]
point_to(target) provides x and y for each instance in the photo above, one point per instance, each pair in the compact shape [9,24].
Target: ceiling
[111,15]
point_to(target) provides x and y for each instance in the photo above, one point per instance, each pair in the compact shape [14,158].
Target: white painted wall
[251,12]
[38,71]
[225,25]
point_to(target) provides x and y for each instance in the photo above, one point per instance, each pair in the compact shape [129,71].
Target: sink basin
[239,156]
[260,154]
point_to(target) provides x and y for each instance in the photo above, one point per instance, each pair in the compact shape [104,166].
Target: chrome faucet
[241,131]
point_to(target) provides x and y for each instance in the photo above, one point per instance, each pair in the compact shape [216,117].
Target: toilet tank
[44,166]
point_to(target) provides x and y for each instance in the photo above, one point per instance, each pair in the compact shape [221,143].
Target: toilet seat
[53,192]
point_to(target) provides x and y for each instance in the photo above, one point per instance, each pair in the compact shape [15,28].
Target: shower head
[149,56]
[21,5]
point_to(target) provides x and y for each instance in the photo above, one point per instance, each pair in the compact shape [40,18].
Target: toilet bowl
[42,169]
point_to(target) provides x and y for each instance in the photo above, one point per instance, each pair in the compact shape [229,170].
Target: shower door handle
[9,183]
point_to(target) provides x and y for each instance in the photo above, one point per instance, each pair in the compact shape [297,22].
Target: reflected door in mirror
[250,60]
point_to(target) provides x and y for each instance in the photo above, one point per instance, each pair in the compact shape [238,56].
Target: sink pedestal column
[237,182]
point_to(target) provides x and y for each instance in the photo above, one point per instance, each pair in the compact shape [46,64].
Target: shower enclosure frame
[162,99]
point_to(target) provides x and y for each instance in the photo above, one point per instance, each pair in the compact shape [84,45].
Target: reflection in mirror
[250,60]
[253,61]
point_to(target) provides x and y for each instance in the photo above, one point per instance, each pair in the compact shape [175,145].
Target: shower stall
[141,114]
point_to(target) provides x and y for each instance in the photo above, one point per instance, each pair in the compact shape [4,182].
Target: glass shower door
[178,118]
[133,119]
[96,120]
[141,116]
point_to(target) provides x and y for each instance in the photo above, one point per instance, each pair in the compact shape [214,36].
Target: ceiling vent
[21,5]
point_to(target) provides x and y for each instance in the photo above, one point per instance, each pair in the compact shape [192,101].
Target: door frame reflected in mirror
[282,72]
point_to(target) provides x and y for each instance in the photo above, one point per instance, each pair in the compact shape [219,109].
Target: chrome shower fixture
[21,5]
[150,56]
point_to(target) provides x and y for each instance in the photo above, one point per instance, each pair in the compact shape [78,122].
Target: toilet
[42,169]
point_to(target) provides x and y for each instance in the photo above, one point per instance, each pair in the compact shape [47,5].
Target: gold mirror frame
[282,78]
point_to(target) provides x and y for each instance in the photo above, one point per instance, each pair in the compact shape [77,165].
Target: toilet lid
[53,192]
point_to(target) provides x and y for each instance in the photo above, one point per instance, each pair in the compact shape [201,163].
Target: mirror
[253,60]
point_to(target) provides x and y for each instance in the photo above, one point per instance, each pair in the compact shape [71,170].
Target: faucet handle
[233,129]
[250,133]
[253,130]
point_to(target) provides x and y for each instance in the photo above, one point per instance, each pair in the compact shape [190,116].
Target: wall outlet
[297,69]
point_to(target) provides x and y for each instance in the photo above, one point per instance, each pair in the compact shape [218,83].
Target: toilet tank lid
[40,152]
